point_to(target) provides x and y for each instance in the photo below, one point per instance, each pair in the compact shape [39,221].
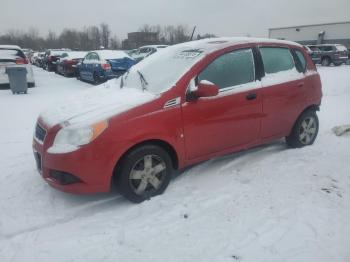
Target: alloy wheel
[308,130]
[147,175]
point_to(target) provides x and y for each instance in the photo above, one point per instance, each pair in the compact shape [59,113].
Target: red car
[68,61]
[183,105]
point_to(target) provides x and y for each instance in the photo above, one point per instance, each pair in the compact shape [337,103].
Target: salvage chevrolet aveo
[183,105]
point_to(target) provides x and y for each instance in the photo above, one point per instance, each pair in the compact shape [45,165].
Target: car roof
[10,47]
[209,45]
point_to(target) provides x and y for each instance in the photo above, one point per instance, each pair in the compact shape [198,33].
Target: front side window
[276,59]
[231,69]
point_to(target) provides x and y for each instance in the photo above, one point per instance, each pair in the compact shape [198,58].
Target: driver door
[232,118]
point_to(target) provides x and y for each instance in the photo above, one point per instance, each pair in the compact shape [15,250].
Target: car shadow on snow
[237,160]
[87,205]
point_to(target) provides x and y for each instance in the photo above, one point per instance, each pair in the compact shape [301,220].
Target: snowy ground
[265,204]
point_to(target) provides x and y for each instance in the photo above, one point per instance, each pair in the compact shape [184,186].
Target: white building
[337,33]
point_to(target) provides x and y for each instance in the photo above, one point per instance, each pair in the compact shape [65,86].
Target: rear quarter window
[300,61]
[276,59]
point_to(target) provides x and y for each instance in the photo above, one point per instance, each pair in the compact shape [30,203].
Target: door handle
[251,96]
[301,84]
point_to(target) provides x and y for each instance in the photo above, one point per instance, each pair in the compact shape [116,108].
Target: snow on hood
[96,104]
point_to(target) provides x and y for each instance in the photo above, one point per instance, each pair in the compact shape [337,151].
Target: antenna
[194,29]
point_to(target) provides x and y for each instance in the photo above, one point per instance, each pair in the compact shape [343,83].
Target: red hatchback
[183,105]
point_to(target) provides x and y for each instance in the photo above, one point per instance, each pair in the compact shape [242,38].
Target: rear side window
[301,62]
[326,48]
[231,69]
[276,59]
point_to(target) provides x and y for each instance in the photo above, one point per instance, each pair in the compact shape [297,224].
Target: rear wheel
[144,172]
[305,130]
[337,64]
[97,79]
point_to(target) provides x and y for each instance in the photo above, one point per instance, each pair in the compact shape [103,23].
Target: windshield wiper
[143,81]
[124,76]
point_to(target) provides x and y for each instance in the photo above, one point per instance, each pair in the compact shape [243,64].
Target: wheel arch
[158,142]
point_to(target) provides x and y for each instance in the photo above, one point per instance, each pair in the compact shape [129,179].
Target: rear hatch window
[10,55]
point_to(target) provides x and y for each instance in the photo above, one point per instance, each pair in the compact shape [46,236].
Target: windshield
[162,70]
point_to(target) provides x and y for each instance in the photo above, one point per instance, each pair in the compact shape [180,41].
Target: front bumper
[86,170]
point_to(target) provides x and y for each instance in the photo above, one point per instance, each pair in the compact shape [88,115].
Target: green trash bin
[18,79]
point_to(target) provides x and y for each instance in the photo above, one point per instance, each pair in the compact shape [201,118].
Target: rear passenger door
[283,91]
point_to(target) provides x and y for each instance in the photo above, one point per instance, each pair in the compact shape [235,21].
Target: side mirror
[205,89]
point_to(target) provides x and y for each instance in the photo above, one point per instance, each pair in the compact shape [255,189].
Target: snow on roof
[155,46]
[9,47]
[111,54]
[75,55]
[209,45]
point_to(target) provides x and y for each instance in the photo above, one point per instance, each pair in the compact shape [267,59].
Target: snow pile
[96,104]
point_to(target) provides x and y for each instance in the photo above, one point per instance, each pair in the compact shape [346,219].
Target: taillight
[106,66]
[21,61]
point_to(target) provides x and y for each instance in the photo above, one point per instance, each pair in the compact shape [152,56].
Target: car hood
[98,103]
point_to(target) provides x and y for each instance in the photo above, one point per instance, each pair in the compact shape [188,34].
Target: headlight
[69,139]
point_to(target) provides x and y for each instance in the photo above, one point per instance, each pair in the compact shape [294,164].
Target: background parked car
[51,57]
[38,60]
[332,53]
[11,55]
[101,65]
[145,51]
[314,53]
[67,64]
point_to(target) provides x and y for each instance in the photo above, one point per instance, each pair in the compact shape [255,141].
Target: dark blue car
[102,65]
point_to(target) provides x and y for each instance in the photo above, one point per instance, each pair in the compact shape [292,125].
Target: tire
[305,130]
[143,173]
[97,79]
[338,64]
[326,61]
[78,76]
[31,85]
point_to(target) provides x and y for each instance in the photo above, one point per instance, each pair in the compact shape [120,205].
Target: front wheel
[144,172]
[305,130]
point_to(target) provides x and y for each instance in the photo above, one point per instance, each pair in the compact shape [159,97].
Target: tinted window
[301,61]
[326,48]
[230,69]
[276,59]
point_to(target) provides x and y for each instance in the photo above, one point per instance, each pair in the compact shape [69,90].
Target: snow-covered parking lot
[266,204]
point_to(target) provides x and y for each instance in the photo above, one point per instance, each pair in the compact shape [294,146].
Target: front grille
[40,132]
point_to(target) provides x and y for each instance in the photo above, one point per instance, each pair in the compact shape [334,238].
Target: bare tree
[105,34]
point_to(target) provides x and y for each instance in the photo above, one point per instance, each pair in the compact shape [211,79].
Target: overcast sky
[221,17]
